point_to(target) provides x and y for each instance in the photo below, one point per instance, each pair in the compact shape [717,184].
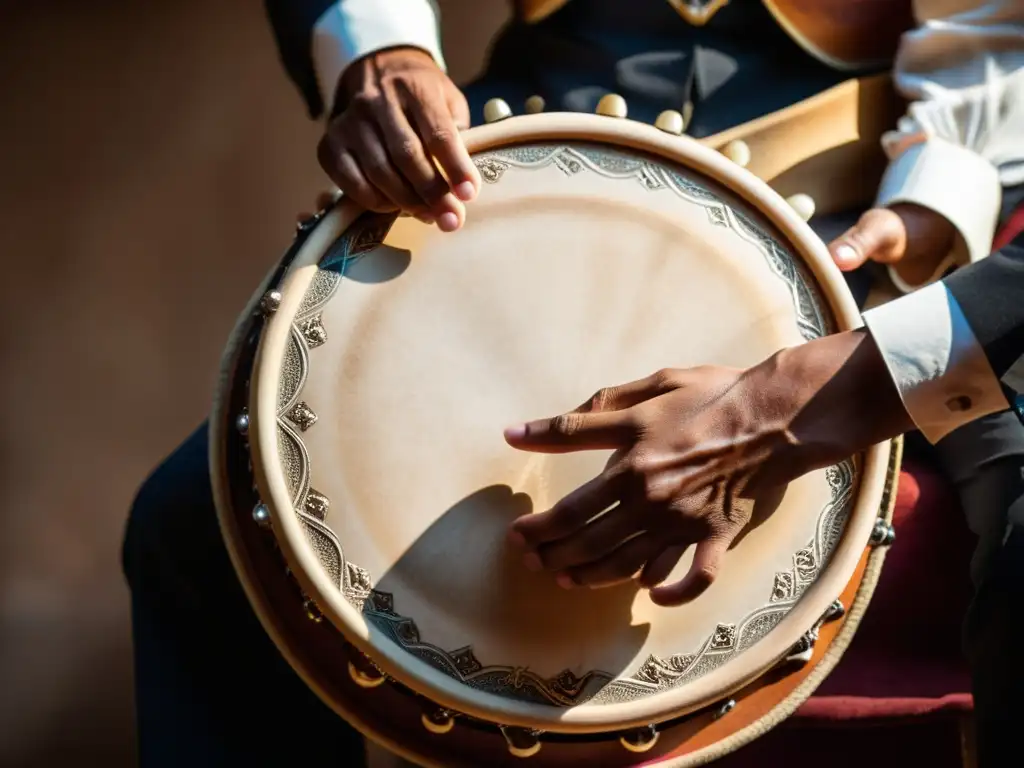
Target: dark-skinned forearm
[827,400]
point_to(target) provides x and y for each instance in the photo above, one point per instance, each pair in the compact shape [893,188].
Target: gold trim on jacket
[844,34]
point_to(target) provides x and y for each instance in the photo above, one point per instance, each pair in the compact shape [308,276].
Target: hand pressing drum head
[393,141]
[693,449]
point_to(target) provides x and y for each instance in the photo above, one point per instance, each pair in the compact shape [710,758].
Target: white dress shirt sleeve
[960,142]
[352,29]
[936,362]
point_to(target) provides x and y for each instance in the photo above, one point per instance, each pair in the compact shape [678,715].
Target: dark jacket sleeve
[293,22]
[991,294]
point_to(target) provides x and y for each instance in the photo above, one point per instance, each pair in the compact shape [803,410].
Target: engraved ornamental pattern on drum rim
[565,689]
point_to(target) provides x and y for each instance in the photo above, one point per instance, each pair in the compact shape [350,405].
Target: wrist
[831,398]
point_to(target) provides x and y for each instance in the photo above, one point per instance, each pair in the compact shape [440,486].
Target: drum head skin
[597,252]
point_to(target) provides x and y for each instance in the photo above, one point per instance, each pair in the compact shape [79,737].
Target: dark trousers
[985,461]
[994,632]
[211,688]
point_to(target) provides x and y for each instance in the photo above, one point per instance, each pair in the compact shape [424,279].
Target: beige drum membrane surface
[386,378]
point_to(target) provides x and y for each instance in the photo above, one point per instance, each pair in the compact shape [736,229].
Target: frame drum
[364,487]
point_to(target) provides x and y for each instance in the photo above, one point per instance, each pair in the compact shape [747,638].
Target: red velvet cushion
[933,742]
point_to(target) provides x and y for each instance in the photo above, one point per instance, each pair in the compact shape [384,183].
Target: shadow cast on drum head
[380,265]
[464,585]
[360,254]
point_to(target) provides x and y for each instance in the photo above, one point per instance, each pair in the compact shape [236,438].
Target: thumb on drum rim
[875,237]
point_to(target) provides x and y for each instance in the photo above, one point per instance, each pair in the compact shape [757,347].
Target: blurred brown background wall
[152,159]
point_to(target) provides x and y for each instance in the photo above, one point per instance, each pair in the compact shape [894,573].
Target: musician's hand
[693,449]
[399,119]
[913,239]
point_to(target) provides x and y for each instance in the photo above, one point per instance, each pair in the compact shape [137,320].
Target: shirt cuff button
[959,404]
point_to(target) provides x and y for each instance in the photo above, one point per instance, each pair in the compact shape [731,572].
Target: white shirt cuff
[940,369]
[352,29]
[956,183]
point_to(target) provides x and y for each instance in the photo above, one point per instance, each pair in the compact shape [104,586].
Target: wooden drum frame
[408,704]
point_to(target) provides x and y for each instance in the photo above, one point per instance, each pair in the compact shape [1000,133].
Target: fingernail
[845,254]
[448,222]
[465,191]
[516,538]
[532,562]
[565,581]
[518,432]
